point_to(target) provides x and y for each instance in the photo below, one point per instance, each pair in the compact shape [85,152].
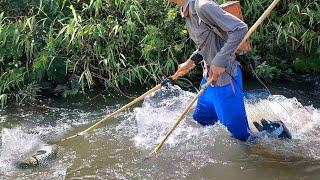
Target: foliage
[68,46]
[307,64]
[291,31]
[12,85]
[267,71]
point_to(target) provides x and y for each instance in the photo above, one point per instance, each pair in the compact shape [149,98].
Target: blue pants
[225,104]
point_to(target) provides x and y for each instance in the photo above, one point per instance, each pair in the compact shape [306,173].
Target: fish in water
[42,155]
[275,128]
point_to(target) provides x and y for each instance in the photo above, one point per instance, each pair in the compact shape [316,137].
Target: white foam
[15,145]
[136,132]
[158,112]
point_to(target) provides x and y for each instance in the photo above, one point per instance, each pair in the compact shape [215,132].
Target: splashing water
[15,145]
[115,150]
[22,141]
[303,122]
[159,111]
[157,115]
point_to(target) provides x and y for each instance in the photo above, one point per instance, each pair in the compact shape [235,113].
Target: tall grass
[69,46]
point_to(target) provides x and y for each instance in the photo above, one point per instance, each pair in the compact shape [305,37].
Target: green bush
[307,64]
[67,46]
[291,30]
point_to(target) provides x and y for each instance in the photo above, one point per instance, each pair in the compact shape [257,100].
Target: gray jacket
[204,14]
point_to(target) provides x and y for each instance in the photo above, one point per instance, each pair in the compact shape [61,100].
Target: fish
[275,128]
[43,154]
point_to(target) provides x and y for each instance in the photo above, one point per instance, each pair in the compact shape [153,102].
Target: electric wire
[270,94]
[188,81]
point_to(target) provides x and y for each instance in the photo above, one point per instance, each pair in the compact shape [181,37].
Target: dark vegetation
[66,47]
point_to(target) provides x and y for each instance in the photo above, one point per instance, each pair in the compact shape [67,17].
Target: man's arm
[211,13]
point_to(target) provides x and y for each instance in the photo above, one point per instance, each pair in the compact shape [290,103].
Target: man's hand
[184,68]
[215,72]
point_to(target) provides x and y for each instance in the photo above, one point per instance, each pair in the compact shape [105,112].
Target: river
[117,149]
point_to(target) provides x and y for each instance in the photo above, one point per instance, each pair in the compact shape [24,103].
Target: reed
[69,46]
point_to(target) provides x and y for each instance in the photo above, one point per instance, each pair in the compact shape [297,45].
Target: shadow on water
[115,150]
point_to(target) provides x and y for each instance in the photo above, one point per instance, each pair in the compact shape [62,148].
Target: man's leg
[230,108]
[204,112]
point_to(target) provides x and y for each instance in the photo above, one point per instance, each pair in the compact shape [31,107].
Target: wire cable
[188,81]
[265,86]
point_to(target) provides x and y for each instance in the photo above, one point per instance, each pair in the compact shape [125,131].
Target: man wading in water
[222,100]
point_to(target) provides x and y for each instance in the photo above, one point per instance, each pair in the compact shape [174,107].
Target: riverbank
[303,87]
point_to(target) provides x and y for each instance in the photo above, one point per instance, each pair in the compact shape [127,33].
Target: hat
[184,8]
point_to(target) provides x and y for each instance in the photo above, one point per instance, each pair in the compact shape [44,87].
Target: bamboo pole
[259,21]
[180,118]
[109,116]
[204,87]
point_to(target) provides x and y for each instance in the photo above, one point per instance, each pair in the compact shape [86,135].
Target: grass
[68,46]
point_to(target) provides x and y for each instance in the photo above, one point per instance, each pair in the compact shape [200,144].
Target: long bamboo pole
[109,116]
[180,118]
[204,87]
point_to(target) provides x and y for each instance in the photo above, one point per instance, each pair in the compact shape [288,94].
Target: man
[222,100]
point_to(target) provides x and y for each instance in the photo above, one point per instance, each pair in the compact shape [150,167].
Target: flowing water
[117,149]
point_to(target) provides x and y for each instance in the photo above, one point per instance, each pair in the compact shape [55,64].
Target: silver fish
[42,155]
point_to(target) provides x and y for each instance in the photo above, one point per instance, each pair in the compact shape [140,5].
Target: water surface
[117,149]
